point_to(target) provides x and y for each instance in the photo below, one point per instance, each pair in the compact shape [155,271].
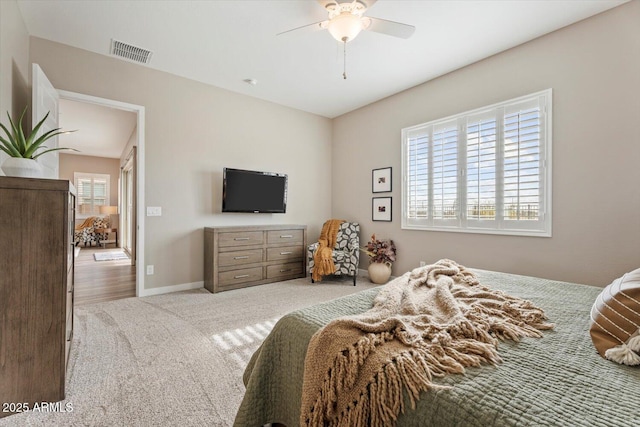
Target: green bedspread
[558,380]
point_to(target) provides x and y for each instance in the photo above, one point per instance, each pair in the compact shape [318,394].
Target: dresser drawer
[284,236]
[249,256]
[239,276]
[285,253]
[240,238]
[281,270]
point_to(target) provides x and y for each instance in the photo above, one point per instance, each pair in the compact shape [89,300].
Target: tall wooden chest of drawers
[238,257]
[36,288]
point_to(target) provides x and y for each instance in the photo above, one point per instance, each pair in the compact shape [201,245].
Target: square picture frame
[381,209]
[381,180]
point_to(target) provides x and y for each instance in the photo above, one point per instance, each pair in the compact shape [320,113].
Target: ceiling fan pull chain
[344,73]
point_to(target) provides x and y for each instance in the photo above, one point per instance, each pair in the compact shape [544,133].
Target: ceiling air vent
[130,52]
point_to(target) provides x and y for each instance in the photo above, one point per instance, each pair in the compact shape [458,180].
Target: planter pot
[20,167]
[379,272]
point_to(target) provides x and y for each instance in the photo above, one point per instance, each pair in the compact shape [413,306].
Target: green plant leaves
[17,145]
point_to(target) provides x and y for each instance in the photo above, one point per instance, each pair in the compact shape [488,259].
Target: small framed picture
[381,209]
[381,180]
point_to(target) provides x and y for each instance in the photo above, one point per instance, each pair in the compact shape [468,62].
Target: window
[483,171]
[93,192]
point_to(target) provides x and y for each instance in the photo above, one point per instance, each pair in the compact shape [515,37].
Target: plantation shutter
[85,205]
[482,158]
[522,164]
[483,171]
[444,172]
[417,175]
[93,192]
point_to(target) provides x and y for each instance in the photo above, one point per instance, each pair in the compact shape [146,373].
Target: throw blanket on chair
[323,258]
[432,321]
[86,223]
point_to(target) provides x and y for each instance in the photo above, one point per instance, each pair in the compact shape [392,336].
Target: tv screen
[253,191]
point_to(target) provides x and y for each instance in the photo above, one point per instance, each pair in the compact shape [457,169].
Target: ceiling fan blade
[391,28]
[311,27]
[366,3]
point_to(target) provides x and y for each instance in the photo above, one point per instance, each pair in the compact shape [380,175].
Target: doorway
[131,219]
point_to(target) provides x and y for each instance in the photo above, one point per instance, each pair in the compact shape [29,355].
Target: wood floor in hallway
[99,281]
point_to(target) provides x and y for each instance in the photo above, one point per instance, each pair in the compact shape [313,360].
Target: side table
[103,232]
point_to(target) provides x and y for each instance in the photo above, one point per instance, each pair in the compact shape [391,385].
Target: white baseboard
[172,288]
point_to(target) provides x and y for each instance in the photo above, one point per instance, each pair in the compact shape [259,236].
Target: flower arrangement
[382,251]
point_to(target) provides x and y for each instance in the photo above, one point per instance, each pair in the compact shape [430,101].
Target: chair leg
[354,279]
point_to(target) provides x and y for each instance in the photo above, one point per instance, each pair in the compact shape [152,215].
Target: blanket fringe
[449,352]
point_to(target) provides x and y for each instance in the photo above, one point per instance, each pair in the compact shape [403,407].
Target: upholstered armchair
[85,232]
[346,252]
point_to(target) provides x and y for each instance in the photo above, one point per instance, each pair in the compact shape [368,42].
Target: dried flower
[383,251]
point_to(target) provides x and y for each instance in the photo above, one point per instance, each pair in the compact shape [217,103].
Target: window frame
[94,208]
[461,224]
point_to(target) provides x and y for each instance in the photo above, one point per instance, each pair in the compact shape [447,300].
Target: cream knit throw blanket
[432,321]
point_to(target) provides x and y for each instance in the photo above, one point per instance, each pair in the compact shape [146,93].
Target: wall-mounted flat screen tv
[253,191]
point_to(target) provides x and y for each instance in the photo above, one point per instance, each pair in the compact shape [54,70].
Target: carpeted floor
[173,359]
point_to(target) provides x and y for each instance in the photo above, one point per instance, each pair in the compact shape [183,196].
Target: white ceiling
[100,131]
[224,42]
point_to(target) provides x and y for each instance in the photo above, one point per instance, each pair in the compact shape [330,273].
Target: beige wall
[192,131]
[70,163]
[14,64]
[593,68]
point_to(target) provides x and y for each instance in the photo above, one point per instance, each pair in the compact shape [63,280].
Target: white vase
[21,167]
[379,272]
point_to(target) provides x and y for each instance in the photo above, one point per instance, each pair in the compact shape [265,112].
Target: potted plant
[382,254]
[23,150]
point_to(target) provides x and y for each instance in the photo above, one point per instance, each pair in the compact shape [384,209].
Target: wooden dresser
[238,257]
[36,288]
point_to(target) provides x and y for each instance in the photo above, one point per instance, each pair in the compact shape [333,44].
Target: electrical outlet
[422,263]
[149,270]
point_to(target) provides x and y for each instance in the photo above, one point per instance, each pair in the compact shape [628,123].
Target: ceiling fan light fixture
[345,27]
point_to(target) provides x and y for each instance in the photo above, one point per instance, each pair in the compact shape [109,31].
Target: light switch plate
[154,211]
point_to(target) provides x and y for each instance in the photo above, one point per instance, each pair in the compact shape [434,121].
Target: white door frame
[139,110]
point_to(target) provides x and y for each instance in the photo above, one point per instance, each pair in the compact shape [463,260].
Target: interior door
[45,99]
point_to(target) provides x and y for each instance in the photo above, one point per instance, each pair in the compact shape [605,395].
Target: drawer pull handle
[241,238]
[242,276]
[241,257]
[286,236]
[284,271]
[286,253]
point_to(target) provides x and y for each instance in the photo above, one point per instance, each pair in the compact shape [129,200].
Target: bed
[556,380]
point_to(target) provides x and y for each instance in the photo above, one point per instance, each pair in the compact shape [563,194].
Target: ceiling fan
[346,20]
